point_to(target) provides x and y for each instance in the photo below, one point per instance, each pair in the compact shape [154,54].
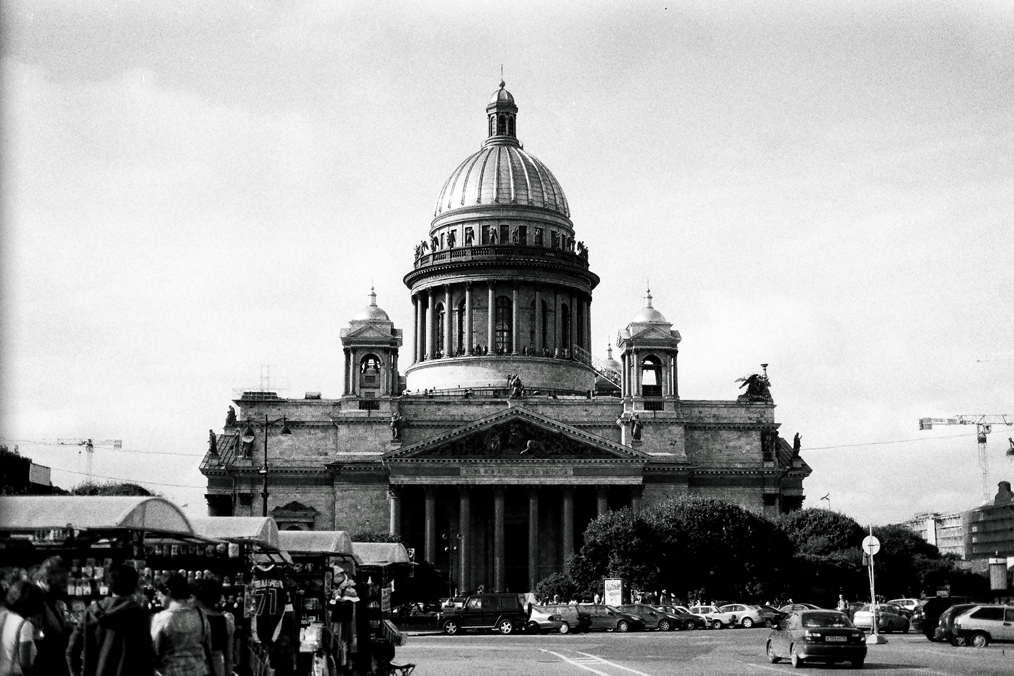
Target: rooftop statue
[758,388]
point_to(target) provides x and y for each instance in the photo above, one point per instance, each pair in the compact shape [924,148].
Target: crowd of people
[115,636]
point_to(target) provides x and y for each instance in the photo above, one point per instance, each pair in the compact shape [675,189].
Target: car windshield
[816,620]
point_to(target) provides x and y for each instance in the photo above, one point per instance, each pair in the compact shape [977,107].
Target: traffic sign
[871,545]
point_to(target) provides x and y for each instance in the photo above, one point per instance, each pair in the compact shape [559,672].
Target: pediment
[516,434]
[366,332]
[294,506]
[655,333]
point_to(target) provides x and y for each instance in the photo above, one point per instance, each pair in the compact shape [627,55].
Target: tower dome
[372,313]
[648,314]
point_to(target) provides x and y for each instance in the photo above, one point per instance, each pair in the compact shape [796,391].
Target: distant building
[19,475]
[504,437]
[949,532]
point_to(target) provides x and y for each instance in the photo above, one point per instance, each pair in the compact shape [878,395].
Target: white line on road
[613,664]
[575,663]
[759,666]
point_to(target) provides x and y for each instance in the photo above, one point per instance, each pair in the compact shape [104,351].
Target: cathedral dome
[502,173]
[372,313]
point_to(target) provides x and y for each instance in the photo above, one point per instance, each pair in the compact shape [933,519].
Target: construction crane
[983,426]
[89,448]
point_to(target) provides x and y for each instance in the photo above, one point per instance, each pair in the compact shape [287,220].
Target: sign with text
[613,591]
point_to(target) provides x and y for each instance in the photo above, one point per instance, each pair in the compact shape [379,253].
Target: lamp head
[248,435]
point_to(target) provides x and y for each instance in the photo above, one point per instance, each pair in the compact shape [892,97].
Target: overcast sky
[195,193]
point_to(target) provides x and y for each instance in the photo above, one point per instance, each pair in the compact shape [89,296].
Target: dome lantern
[501,114]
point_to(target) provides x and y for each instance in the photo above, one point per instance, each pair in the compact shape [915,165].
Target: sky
[197,197]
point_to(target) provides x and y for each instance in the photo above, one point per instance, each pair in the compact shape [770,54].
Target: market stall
[382,564]
[324,573]
[91,533]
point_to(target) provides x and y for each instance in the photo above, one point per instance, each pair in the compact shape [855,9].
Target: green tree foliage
[111,488]
[827,558]
[907,565]
[557,585]
[14,469]
[617,544]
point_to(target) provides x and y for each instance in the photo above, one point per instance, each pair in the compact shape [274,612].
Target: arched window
[504,322]
[510,126]
[651,377]
[492,124]
[501,125]
[369,364]
[565,327]
[438,345]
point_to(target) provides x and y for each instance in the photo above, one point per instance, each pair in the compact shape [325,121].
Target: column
[538,322]
[601,500]
[574,315]
[515,320]
[415,328]
[448,321]
[675,377]
[635,500]
[430,532]
[637,373]
[393,375]
[464,521]
[469,340]
[430,347]
[587,325]
[533,537]
[353,372]
[557,322]
[394,499]
[348,371]
[567,523]
[499,564]
[491,319]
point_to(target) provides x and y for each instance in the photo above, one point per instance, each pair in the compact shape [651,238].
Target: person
[52,628]
[180,634]
[17,633]
[207,594]
[843,605]
[113,639]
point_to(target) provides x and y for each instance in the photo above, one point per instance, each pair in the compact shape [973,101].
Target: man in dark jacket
[113,638]
[51,624]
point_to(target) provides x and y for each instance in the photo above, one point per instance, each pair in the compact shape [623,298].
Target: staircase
[596,364]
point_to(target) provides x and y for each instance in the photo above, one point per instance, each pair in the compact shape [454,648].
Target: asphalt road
[737,652]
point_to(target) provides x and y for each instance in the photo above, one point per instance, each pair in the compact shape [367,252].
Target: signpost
[613,588]
[871,545]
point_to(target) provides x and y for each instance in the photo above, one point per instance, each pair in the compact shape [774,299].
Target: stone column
[430,347]
[515,320]
[464,529]
[415,328]
[557,321]
[635,500]
[348,371]
[601,500]
[574,315]
[491,319]
[533,537]
[637,373]
[394,499]
[587,325]
[567,523]
[499,552]
[538,321]
[469,340]
[430,535]
[448,321]
[420,331]
[675,377]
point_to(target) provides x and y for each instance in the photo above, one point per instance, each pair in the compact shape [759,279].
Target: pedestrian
[113,637]
[51,626]
[207,594]
[843,605]
[598,599]
[17,633]
[180,635]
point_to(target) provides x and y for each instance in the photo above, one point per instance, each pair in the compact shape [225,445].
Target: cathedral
[504,436]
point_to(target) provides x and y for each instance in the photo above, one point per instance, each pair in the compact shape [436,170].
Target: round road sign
[871,545]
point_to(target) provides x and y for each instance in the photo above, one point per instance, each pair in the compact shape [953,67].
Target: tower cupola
[502,116]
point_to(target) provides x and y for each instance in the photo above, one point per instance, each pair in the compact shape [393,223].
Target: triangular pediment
[516,434]
[366,332]
[650,332]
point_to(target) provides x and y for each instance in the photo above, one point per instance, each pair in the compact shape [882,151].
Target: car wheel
[689,625]
[958,641]
[564,628]
[772,657]
[794,657]
[858,664]
[663,625]
[717,624]
[506,627]
[769,624]
[534,628]
[978,640]
[451,628]
[747,623]
[622,625]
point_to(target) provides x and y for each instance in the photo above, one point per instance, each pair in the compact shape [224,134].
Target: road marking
[575,662]
[760,666]
[613,664]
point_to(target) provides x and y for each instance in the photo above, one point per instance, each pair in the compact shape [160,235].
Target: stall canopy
[144,513]
[330,542]
[380,553]
[256,530]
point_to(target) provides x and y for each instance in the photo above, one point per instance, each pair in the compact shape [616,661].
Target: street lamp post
[248,437]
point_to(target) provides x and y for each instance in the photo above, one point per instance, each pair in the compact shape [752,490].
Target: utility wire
[129,481]
[104,449]
[879,443]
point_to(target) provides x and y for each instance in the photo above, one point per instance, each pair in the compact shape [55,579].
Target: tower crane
[983,426]
[89,449]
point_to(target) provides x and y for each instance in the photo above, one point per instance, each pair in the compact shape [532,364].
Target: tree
[557,586]
[827,558]
[617,544]
[111,488]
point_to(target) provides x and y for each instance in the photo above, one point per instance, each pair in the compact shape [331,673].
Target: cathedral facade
[505,436]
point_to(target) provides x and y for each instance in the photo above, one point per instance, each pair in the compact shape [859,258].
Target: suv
[927,615]
[502,612]
[983,624]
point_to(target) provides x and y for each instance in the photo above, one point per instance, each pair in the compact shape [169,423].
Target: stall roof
[258,530]
[44,512]
[380,553]
[333,542]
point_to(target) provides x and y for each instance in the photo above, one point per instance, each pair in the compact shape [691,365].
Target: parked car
[907,605]
[817,636]
[795,607]
[945,625]
[562,618]
[889,618]
[741,615]
[928,613]
[984,624]
[688,620]
[715,618]
[703,611]
[770,616]
[608,618]
[502,612]
[653,616]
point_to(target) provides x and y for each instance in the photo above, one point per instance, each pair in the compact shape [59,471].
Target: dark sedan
[817,636]
[610,618]
[655,617]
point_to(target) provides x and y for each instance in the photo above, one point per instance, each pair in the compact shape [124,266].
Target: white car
[709,613]
[908,605]
[742,615]
[684,609]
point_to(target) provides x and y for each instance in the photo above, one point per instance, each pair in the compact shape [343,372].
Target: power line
[129,481]
[30,442]
[880,443]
